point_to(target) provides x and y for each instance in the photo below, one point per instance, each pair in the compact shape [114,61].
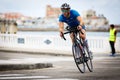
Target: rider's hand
[61,34]
[79,27]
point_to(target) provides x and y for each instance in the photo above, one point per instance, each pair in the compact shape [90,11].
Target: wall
[51,44]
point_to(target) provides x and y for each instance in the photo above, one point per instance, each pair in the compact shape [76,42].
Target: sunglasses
[64,10]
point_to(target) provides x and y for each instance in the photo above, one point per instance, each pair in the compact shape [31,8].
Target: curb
[55,53]
[5,67]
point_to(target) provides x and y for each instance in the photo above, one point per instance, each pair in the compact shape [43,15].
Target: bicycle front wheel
[78,57]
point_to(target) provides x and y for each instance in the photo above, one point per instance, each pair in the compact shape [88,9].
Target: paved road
[64,68]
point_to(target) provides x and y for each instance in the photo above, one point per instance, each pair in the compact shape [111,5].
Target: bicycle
[80,52]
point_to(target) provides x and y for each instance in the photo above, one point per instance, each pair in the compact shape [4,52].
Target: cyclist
[74,21]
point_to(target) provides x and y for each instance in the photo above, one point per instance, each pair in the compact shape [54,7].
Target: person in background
[112,38]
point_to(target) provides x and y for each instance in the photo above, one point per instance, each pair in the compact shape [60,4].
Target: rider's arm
[83,35]
[61,26]
[115,34]
[81,23]
[80,20]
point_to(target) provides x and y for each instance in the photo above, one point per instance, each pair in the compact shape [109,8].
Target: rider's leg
[83,36]
[85,42]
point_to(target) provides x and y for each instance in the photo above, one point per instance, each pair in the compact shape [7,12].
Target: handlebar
[70,32]
[64,34]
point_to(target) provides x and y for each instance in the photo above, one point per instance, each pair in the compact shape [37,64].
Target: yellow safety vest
[112,35]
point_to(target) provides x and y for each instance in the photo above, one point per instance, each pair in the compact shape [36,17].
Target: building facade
[52,12]
[90,18]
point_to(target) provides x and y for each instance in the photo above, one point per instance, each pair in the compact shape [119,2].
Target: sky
[37,8]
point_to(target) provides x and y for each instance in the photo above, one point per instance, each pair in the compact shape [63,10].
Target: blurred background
[40,17]
[43,15]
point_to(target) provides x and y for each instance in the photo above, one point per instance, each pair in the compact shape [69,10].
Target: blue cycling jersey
[72,20]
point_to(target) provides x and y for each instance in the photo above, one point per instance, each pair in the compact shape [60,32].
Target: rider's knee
[83,34]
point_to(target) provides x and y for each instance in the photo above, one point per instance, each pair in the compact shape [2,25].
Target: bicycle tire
[77,51]
[89,62]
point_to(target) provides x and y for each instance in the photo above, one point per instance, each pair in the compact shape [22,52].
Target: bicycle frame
[76,39]
[78,42]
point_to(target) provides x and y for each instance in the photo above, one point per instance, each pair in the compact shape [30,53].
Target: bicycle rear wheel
[77,56]
[89,59]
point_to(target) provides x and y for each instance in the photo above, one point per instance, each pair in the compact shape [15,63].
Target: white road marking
[3,75]
[24,77]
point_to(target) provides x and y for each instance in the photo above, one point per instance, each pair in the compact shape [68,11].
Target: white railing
[40,43]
